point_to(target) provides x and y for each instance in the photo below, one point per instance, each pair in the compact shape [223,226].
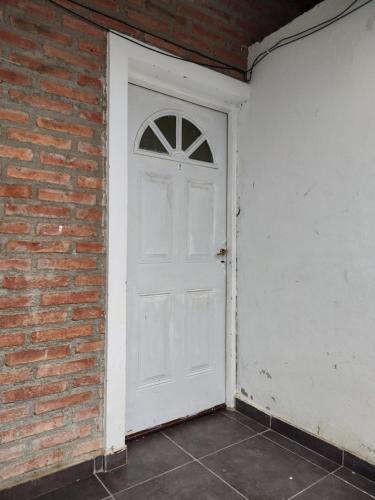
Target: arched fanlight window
[175,136]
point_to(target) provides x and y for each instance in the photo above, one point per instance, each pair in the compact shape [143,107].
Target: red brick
[87,380]
[68,128]
[30,319]
[14,228]
[71,263]
[56,404]
[36,210]
[93,346]
[82,27]
[15,153]
[39,462]
[90,149]
[12,339]
[40,66]
[69,92]
[71,58]
[38,175]
[24,135]
[35,355]
[20,282]
[7,454]
[39,246]
[41,102]
[150,23]
[89,214]
[61,160]
[13,414]
[90,182]
[90,81]
[75,366]
[62,333]
[31,429]
[62,437]
[65,230]
[15,377]
[15,264]
[86,413]
[15,191]
[66,197]
[87,313]
[42,31]
[87,280]
[8,37]
[14,301]
[93,48]
[83,247]
[87,447]
[49,299]
[33,391]
[40,10]
[92,116]
[13,116]
[14,77]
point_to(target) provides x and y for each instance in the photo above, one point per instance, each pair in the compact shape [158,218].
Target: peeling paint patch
[265,373]
[244,392]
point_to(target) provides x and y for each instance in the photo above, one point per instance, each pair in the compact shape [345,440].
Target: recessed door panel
[154,339]
[200,212]
[176,282]
[156,217]
[199,310]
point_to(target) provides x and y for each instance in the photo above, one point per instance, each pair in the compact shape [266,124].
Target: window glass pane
[167,125]
[189,134]
[203,153]
[150,142]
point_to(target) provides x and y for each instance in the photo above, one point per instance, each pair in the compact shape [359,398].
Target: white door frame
[131,63]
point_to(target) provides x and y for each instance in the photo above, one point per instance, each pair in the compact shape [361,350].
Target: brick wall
[52,246]
[52,212]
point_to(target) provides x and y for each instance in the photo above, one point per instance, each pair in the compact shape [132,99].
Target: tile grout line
[230,445]
[315,483]
[300,456]
[104,486]
[354,486]
[155,477]
[244,425]
[206,468]
[303,446]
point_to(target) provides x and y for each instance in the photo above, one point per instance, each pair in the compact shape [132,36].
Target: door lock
[222,252]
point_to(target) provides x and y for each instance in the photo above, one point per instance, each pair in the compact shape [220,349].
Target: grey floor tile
[332,488]
[147,457]
[310,455]
[208,434]
[357,480]
[261,470]
[89,489]
[191,482]
[244,419]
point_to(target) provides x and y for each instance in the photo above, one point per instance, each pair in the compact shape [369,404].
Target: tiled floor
[224,456]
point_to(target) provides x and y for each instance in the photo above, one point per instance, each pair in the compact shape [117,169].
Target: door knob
[222,252]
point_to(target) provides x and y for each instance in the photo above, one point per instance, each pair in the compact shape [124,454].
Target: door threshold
[172,423]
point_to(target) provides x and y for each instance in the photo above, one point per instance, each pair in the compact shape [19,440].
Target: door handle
[223,252]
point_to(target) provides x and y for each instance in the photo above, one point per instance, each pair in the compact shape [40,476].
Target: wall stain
[265,373]
[244,392]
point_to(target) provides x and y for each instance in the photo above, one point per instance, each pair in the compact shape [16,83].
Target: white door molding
[130,63]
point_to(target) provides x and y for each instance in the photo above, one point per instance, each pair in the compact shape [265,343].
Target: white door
[176,280]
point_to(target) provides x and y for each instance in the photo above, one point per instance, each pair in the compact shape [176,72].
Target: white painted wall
[306,237]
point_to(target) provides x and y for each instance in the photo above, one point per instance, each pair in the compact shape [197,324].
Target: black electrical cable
[323,23]
[223,66]
[308,32]
[247,74]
